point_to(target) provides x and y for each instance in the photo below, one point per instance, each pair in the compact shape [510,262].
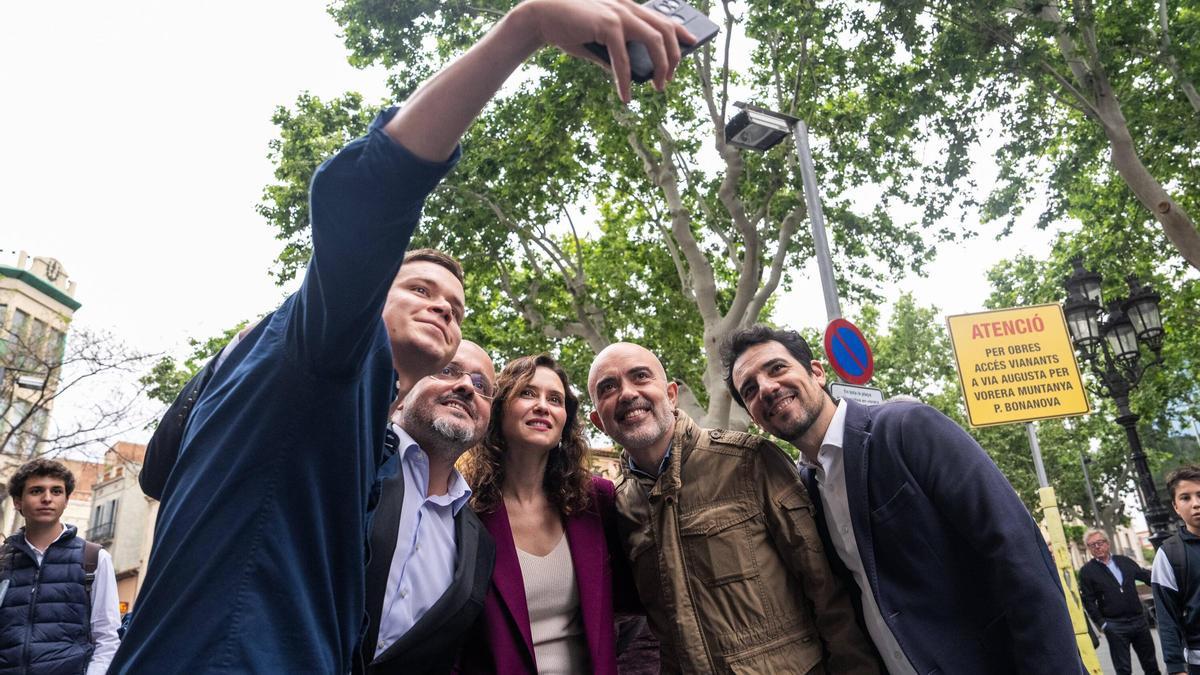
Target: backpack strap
[1176,552]
[91,558]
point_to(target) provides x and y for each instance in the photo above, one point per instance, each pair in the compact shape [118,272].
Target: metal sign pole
[1031,431]
[1058,550]
[812,198]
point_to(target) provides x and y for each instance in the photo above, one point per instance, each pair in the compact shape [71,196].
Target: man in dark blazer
[1106,584]
[953,574]
[426,586]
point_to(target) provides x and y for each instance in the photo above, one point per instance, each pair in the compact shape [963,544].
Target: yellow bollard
[1066,574]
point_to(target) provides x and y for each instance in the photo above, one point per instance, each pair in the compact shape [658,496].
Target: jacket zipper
[37,580]
[687,581]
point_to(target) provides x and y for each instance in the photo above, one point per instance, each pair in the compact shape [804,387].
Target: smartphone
[640,65]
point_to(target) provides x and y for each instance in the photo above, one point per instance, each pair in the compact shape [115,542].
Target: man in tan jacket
[720,533]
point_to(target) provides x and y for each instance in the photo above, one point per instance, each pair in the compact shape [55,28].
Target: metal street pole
[1087,483]
[812,198]
[1036,449]
[1158,518]
[1062,559]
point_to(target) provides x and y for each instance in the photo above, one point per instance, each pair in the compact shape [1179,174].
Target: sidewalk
[1106,660]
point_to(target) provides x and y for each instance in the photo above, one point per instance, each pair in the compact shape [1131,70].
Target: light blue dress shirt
[423,564]
[1116,571]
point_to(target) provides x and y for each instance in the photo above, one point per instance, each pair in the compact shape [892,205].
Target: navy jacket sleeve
[977,500]
[364,204]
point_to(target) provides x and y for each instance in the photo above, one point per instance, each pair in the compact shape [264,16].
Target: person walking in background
[58,593]
[550,605]
[1175,577]
[1106,584]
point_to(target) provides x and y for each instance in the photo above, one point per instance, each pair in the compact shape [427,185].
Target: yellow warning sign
[1017,365]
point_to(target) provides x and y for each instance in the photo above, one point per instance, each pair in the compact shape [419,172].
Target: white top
[1163,574]
[831,474]
[106,614]
[423,562]
[559,643]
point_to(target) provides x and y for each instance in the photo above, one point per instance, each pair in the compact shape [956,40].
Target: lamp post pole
[816,217]
[1111,342]
[1087,484]
[1158,518]
[760,129]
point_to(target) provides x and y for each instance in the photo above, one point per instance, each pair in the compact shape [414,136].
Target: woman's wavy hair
[568,479]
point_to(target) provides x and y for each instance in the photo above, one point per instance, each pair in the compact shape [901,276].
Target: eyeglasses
[1097,544]
[453,373]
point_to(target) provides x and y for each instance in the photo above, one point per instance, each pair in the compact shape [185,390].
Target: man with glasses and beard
[719,529]
[431,558]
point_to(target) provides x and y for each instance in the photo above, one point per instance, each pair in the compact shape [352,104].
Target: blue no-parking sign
[848,352]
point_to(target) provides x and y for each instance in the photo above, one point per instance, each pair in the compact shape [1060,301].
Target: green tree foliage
[1097,99]
[168,376]
[582,222]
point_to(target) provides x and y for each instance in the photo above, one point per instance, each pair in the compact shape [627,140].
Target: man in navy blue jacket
[258,558]
[953,574]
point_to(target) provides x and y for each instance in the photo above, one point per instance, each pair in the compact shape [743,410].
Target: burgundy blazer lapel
[590,558]
[586,537]
[510,585]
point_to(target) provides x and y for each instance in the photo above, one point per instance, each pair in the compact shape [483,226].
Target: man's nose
[441,307]
[768,388]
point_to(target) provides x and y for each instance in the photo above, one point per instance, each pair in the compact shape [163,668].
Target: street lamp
[759,129]
[1110,338]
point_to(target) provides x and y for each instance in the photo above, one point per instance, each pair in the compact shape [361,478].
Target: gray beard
[453,434]
[442,437]
[645,437]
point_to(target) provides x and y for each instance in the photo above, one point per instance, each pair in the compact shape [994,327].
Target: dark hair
[437,258]
[1186,472]
[40,468]
[568,479]
[736,344]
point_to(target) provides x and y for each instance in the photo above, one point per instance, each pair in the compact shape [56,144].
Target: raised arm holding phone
[258,557]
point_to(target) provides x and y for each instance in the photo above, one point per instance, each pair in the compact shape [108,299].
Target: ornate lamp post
[1110,339]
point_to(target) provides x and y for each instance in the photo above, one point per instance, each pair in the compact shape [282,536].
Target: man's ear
[673,393]
[595,418]
[818,371]
[17,503]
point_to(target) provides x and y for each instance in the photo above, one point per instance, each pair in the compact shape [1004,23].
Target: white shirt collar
[418,461]
[831,445]
[837,428]
[61,532]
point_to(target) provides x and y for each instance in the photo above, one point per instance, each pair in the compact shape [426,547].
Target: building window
[104,521]
[23,439]
[17,330]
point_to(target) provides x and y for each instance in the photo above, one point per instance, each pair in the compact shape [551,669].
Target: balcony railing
[101,532]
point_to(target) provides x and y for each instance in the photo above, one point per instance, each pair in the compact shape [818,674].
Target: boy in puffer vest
[58,593]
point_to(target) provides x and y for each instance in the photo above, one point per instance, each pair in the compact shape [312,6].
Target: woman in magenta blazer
[549,608]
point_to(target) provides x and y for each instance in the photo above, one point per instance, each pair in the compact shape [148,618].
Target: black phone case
[642,69]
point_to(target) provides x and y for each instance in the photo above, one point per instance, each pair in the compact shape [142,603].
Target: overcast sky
[135,139]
